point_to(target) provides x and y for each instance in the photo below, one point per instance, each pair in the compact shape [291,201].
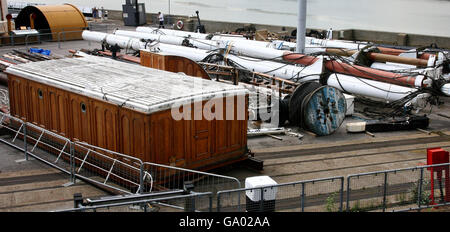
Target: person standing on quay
[161,20]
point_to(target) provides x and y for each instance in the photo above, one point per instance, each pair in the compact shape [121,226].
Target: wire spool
[284,110]
[296,99]
[316,108]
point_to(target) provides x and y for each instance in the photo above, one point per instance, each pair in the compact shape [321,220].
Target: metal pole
[64,35]
[26,42]
[59,40]
[348,194]
[261,201]
[218,201]
[25,145]
[419,190]
[301,26]
[210,202]
[341,194]
[141,179]
[72,163]
[385,191]
[137,13]
[303,198]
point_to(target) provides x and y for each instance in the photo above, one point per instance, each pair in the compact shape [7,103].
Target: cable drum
[284,110]
[316,108]
[295,101]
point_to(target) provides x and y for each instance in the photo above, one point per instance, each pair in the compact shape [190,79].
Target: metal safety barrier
[319,195]
[49,36]
[169,177]
[116,171]
[109,168]
[395,190]
[153,202]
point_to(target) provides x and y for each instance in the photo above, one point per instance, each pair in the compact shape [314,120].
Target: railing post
[59,40]
[210,196]
[141,179]
[72,162]
[341,201]
[219,194]
[239,197]
[347,202]
[261,200]
[189,202]
[302,197]
[26,42]
[419,190]
[25,145]
[385,191]
[77,200]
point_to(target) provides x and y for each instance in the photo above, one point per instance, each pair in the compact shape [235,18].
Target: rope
[228,46]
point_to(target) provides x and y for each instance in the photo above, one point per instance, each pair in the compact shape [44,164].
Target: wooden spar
[396,52]
[371,73]
[380,57]
[132,59]
[389,53]
[356,70]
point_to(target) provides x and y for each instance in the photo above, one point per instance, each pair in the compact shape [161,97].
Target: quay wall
[381,37]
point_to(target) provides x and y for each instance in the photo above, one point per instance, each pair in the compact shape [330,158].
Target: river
[428,17]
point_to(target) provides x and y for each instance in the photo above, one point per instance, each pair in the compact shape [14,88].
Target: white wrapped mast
[170,39]
[351,84]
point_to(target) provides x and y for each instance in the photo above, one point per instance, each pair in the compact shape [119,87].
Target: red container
[437,156]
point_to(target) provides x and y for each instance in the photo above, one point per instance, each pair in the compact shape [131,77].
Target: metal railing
[319,195]
[66,34]
[109,168]
[116,171]
[397,190]
[153,202]
[170,177]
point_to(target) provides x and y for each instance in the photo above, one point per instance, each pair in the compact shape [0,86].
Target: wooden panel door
[18,97]
[170,139]
[133,134]
[105,123]
[38,98]
[80,111]
[163,139]
[201,135]
[229,131]
[58,122]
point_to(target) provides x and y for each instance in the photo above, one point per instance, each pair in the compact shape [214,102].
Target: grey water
[428,17]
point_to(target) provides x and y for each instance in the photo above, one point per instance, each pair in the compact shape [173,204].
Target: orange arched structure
[64,21]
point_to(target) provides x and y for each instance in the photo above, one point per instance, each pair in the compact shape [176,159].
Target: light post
[301,26]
